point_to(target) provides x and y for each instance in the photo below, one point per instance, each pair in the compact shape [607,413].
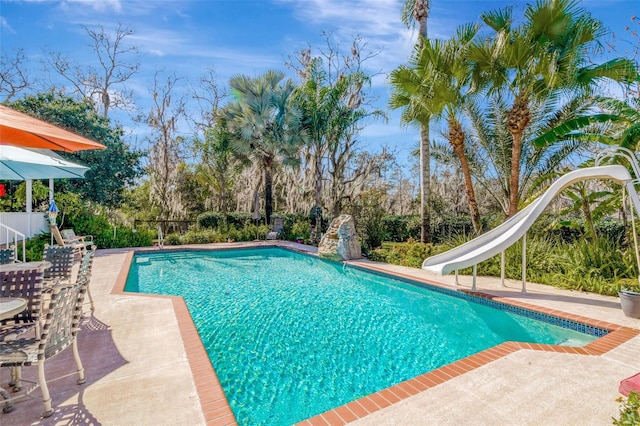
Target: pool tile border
[216,409]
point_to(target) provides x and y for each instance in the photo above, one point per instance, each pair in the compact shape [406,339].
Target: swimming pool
[291,336]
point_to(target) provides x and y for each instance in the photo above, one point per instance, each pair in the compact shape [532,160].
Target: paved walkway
[138,372]
[526,387]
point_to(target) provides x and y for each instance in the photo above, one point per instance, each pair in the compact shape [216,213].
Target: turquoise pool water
[291,336]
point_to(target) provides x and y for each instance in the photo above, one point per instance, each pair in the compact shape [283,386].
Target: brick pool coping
[216,409]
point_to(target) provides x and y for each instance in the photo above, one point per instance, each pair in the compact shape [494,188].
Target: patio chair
[85,271]
[61,260]
[69,236]
[77,244]
[26,284]
[58,332]
[278,228]
[7,255]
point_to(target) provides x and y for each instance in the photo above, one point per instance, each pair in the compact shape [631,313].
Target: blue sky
[250,36]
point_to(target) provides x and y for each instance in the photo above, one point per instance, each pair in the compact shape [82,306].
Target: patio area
[142,368]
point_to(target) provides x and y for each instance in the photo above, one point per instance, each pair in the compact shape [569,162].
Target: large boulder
[340,242]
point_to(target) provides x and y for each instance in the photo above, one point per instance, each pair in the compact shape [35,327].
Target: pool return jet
[498,239]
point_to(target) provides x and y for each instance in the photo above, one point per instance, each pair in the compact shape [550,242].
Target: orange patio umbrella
[20,129]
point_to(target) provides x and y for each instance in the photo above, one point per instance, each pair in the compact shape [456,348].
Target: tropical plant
[618,123]
[219,167]
[324,115]
[544,58]
[335,101]
[629,410]
[440,92]
[490,147]
[265,123]
[583,197]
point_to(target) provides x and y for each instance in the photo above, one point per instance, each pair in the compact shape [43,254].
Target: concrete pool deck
[144,366]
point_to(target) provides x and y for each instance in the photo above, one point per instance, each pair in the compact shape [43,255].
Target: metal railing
[16,236]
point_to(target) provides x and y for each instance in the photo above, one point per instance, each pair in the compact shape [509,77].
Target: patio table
[24,266]
[9,306]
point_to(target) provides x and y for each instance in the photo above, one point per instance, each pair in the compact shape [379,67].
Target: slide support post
[524,263]
[475,270]
[502,261]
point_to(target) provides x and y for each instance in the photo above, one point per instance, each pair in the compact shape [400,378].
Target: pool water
[292,336]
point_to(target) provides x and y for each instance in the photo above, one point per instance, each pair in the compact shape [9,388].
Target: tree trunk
[457,139]
[268,189]
[518,119]
[318,191]
[471,196]
[425,184]
[421,14]
[514,181]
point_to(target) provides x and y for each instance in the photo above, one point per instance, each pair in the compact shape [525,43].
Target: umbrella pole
[50,200]
[29,205]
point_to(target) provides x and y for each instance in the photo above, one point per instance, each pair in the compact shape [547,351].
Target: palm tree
[617,124]
[265,123]
[321,104]
[436,84]
[544,58]
[219,167]
[490,146]
[417,11]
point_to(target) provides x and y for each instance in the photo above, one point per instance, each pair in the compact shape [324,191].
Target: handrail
[623,152]
[160,237]
[16,234]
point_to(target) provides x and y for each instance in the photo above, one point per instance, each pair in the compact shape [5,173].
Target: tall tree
[166,146]
[545,57]
[334,101]
[103,84]
[417,12]
[112,170]
[435,85]
[266,124]
[219,167]
[14,77]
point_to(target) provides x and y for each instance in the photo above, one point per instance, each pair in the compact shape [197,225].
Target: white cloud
[5,25]
[97,5]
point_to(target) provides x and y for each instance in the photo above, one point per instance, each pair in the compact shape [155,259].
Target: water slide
[503,236]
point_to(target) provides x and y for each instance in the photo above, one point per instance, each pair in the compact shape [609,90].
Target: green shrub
[401,228]
[239,219]
[368,214]
[629,410]
[601,267]
[288,220]
[411,253]
[205,236]
[449,227]
[300,229]
[594,266]
[34,247]
[210,219]
[123,237]
[173,240]
[612,230]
